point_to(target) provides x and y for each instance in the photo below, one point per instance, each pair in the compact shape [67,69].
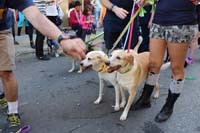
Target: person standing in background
[86,22]
[53,13]
[28,28]
[97,11]
[39,41]
[74,18]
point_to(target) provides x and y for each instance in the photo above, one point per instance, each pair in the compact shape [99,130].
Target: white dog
[96,61]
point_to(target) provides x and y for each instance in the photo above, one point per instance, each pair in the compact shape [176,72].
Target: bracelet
[111,7]
[62,37]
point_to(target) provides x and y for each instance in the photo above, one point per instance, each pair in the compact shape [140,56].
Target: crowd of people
[172,25]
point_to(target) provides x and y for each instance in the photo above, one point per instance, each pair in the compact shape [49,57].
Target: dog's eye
[118,58]
[89,58]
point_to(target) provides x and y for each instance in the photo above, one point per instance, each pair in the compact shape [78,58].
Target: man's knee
[6,74]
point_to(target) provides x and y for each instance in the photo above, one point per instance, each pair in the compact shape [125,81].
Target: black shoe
[44,57]
[32,44]
[16,43]
[167,109]
[144,100]
[186,64]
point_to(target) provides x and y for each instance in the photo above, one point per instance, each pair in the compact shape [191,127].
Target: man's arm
[120,12]
[41,23]
[75,47]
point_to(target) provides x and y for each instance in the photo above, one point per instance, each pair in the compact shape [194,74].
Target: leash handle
[125,29]
[93,38]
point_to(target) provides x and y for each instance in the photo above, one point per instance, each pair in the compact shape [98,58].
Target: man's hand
[120,12]
[74,47]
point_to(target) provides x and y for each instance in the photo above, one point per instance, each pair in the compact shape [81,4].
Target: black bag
[58,19]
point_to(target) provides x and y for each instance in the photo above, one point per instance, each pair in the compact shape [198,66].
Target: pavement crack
[77,127]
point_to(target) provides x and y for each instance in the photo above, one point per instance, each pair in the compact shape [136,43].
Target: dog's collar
[126,71]
[103,68]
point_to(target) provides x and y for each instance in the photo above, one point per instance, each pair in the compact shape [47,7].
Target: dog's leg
[157,89]
[73,66]
[80,69]
[128,105]
[117,93]
[101,86]
[123,97]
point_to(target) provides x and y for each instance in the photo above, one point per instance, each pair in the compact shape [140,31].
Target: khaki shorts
[174,34]
[7,51]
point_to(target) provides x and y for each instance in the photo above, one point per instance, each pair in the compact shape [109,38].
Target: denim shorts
[174,34]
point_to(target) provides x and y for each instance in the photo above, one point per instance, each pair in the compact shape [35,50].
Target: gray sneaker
[14,123]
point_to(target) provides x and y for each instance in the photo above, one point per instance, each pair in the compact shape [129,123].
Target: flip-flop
[25,129]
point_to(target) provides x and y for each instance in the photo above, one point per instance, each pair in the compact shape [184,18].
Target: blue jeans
[97,14]
[54,43]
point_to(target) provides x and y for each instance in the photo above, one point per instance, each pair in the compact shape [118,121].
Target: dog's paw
[71,70]
[80,71]
[97,101]
[156,95]
[116,108]
[122,104]
[123,117]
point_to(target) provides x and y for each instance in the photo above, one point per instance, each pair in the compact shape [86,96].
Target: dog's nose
[81,64]
[107,63]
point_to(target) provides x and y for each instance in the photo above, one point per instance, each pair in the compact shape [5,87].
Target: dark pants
[28,31]
[13,31]
[145,35]
[110,37]
[78,29]
[52,19]
[39,43]
[84,33]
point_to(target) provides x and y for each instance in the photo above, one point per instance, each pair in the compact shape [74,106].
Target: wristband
[62,37]
[111,7]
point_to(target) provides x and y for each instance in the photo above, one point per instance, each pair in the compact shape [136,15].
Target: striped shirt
[41,4]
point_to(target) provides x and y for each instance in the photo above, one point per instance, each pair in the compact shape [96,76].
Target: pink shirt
[84,19]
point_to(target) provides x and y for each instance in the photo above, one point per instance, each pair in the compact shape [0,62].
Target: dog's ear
[130,59]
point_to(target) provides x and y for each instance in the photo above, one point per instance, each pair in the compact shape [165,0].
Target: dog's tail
[165,66]
[140,39]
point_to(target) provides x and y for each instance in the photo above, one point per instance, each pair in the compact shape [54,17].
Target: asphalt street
[55,101]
